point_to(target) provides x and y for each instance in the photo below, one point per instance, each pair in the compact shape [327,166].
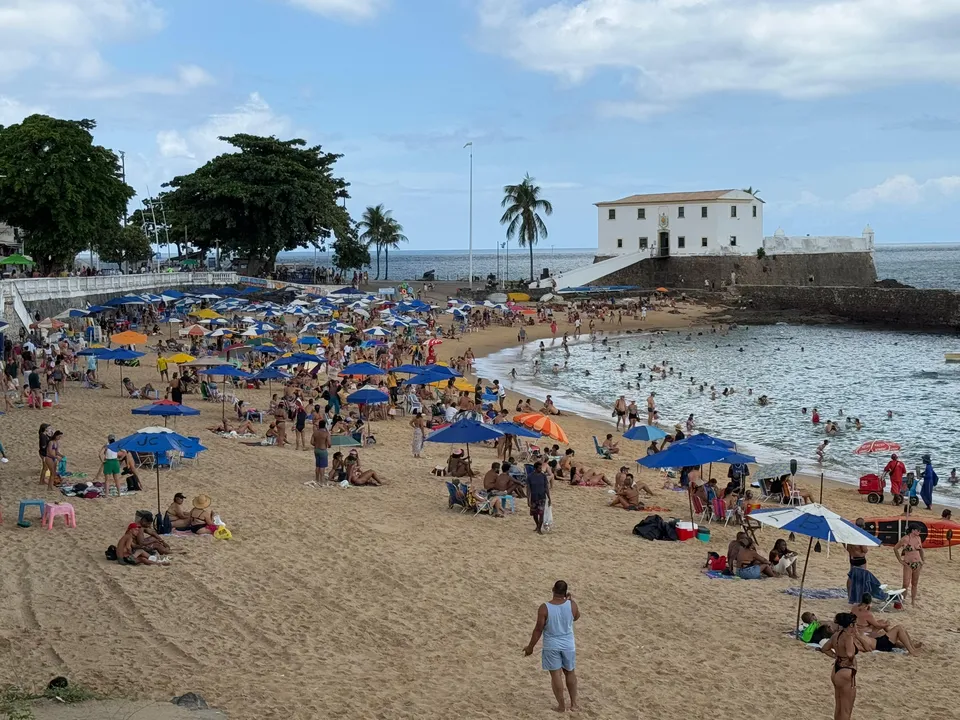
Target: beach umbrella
[270,374]
[225,371]
[441,370]
[126,300]
[877,446]
[816,522]
[368,395]
[409,368]
[428,378]
[309,340]
[129,337]
[662,289]
[362,369]
[465,431]
[509,428]
[347,291]
[707,440]
[93,309]
[155,440]
[298,358]
[171,294]
[647,433]
[196,331]
[180,358]
[376,332]
[3,325]
[165,409]
[542,424]
[121,355]
[17,259]
[773,471]
[72,313]
[96,351]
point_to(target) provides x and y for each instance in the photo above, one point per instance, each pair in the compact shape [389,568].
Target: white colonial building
[712,222]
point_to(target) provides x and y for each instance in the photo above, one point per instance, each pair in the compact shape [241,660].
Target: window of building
[733,211]
[733,241]
[643,243]
[681,242]
[641,213]
[754,210]
[619,242]
[703,242]
[703,211]
[612,214]
[680,211]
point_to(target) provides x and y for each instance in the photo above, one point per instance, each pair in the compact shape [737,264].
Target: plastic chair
[699,511]
[720,510]
[24,504]
[893,597]
[62,509]
[509,501]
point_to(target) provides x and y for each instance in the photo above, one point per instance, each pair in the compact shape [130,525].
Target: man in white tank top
[559,656]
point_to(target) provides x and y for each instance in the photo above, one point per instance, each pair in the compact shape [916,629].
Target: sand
[381,602]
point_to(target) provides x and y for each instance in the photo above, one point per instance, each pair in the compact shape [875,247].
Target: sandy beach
[382,603]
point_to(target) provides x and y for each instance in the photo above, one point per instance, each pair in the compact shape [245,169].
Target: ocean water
[924,266]
[861,373]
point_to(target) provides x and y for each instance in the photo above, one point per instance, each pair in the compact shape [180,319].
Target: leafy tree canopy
[272,195]
[523,205]
[63,191]
[128,244]
[350,253]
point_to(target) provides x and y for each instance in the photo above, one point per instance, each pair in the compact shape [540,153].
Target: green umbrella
[189,262]
[17,259]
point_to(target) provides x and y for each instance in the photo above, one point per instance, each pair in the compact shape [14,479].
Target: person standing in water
[555,620]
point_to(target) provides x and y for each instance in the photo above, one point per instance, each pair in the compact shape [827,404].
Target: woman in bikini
[909,552]
[280,417]
[53,457]
[201,517]
[843,647]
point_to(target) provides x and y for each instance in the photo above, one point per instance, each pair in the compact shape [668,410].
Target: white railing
[32,289]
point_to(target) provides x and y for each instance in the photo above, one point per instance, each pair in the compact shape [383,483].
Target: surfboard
[933,533]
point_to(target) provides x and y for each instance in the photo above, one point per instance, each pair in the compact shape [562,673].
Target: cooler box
[686,531]
[47,403]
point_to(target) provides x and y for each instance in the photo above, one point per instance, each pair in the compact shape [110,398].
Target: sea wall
[899,308]
[819,269]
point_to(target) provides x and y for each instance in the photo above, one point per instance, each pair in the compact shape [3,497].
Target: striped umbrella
[543,425]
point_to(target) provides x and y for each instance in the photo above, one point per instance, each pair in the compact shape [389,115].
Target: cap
[179,496]
[111,438]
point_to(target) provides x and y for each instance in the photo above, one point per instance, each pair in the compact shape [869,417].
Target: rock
[190,701]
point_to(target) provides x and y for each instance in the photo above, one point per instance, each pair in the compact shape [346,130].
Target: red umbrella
[877,446]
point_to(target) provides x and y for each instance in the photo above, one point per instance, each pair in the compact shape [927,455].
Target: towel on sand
[818,593]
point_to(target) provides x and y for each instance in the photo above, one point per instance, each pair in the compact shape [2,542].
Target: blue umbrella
[426,378]
[165,409]
[368,396]
[409,368]
[680,455]
[704,439]
[157,441]
[297,359]
[171,294]
[363,369]
[98,308]
[736,458]
[225,371]
[309,340]
[95,351]
[510,428]
[646,433]
[442,370]
[126,300]
[120,354]
[347,291]
[466,432]
[271,373]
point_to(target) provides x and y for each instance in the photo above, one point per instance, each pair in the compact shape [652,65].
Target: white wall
[717,227]
[785,245]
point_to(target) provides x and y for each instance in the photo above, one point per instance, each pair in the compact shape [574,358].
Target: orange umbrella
[129,338]
[196,331]
[662,289]
[542,424]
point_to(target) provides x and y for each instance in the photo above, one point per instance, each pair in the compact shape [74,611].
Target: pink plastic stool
[54,509]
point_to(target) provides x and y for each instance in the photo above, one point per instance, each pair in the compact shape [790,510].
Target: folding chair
[719,510]
[601,451]
[893,597]
[699,510]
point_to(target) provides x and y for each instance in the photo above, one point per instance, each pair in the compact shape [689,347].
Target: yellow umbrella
[181,358]
[129,338]
[458,383]
[206,314]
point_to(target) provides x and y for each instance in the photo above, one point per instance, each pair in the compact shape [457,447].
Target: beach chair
[601,451]
[457,496]
[191,450]
[765,493]
[204,392]
[699,511]
[893,597]
[143,460]
[719,510]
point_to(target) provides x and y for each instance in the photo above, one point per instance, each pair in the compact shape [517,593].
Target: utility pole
[470,145]
[123,176]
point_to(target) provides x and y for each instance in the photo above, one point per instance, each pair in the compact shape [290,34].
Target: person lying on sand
[356,476]
[885,635]
[589,478]
[243,428]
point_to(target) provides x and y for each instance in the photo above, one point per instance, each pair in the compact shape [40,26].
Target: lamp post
[470,264]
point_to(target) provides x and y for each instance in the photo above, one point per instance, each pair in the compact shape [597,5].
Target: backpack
[163,524]
[133,483]
[111,553]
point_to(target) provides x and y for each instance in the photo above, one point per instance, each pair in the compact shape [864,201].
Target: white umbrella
[815,521]
[376,332]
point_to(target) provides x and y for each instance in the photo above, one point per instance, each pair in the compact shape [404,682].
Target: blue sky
[842,112]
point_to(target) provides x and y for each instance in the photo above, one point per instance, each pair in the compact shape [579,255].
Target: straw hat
[201,502]
[677,427]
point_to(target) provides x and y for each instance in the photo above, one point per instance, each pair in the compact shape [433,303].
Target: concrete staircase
[591,273]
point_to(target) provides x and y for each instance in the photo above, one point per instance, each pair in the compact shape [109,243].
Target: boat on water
[951,357]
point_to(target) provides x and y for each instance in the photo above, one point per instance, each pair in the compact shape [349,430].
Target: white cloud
[188,77]
[677,49]
[201,143]
[13,111]
[346,9]
[905,190]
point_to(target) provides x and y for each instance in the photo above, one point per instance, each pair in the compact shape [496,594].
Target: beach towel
[717,575]
[818,593]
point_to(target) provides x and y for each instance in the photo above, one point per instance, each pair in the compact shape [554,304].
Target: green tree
[392,238]
[126,245]
[271,195]
[755,193]
[523,205]
[373,227]
[63,191]
[350,253]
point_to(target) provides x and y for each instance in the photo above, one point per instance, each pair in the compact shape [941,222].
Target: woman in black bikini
[843,647]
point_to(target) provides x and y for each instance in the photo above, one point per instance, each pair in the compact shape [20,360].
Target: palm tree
[392,237]
[372,226]
[755,193]
[522,203]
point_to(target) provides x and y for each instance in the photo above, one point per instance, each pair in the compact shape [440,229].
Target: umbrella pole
[157,465]
[803,578]
[121,381]
[690,500]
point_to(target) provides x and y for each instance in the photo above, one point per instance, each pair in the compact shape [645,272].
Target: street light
[470,145]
